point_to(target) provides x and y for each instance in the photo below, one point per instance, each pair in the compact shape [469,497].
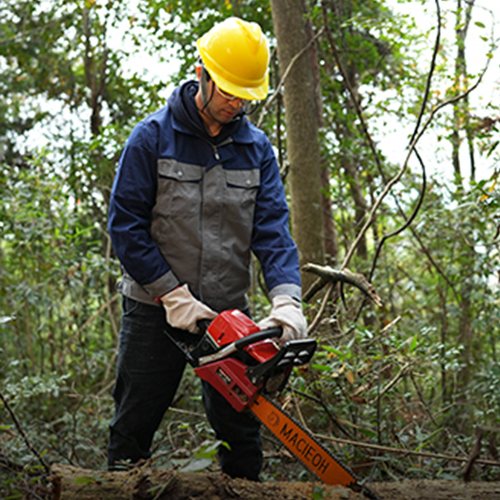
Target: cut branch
[328,274]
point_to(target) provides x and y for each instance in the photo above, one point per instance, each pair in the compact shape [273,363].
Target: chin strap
[204,79]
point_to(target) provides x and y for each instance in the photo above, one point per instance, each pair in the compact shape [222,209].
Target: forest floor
[72,483]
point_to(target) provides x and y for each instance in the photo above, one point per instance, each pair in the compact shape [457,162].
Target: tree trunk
[302,133]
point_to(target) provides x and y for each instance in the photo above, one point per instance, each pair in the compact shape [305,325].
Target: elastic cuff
[162,285]
[158,299]
[290,289]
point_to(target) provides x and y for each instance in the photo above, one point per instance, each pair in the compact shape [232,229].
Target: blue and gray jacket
[188,208]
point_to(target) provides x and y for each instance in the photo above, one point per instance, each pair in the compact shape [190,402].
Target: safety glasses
[229,97]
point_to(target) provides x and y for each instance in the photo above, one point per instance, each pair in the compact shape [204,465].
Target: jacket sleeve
[132,199]
[272,243]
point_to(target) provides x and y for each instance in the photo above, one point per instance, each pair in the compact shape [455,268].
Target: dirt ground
[71,483]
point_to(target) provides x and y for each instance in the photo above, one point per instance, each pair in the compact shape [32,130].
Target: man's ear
[198,72]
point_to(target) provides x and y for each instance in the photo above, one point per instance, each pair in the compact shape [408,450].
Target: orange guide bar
[302,445]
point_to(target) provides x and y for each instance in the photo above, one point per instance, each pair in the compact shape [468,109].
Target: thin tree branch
[407,224]
[387,449]
[89,320]
[109,301]
[347,83]
[398,176]
[23,434]
[372,146]
[324,302]
[435,52]
[368,136]
[318,399]
[403,371]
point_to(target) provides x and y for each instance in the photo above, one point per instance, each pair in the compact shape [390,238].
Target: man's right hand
[183,310]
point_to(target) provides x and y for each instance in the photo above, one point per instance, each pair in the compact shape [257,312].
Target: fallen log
[145,483]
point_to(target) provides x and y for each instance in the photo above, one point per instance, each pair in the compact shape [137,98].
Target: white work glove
[183,310]
[287,313]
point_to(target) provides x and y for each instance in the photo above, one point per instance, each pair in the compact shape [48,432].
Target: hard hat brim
[257,93]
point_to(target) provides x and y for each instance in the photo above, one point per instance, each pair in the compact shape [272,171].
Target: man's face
[223,106]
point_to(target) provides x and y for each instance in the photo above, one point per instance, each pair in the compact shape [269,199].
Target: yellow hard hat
[236,55]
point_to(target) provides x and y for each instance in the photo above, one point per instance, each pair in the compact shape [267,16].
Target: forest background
[399,183]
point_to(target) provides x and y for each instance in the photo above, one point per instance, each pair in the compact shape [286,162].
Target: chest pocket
[178,187]
[243,179]
[241,192]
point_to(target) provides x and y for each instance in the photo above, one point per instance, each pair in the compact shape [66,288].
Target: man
[196,191]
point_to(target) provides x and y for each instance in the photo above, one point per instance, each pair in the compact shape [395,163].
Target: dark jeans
[149,370]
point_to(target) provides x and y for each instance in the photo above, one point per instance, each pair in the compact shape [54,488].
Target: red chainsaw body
[233,325]
[228,375]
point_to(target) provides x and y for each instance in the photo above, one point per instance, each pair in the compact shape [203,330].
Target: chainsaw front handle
[270,333]
[240,344]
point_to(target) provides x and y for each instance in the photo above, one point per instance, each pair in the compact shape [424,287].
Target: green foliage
[203,456]
[418,374]
[418,378]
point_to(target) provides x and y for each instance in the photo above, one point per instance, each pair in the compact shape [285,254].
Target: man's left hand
[184,311]
[287,313]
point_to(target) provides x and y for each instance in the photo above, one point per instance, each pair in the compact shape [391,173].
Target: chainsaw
[246,366]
